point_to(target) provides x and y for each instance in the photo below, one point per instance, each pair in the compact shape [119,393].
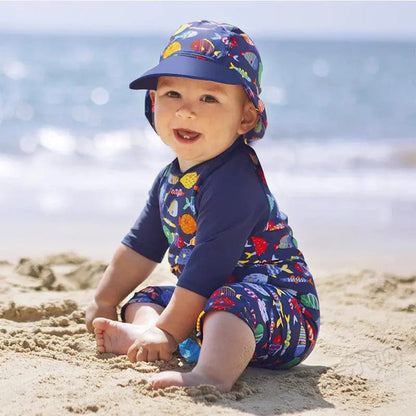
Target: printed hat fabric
[210,51]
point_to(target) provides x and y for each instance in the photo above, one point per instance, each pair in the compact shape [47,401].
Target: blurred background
[77,155]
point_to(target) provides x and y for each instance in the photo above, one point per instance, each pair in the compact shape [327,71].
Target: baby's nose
[185,112]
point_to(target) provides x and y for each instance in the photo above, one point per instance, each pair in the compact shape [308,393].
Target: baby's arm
[179,317]
[125,272]
[173,326]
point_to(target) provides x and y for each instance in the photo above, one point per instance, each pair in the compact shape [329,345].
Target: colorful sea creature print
[190,203]
[178,241]
[151,291]
[276,344]
[250,293]
[171,49]
[253,315]
[286,241]
[234,42]
[275,287]
[173,208]
[252,59]
[223,304]
[168,234]
[295,279]
[206,40]
[177,192]
[247,39]
[272,202]
[311,331]
[260,245]
[257,288]
[258,332]
[263,310]
[204,46]
[271,226]
[294,306]
[278,326]
[240,71]
[184,256]
[189,180]
[186,35]
[176,269]
[163,194]
[258,127]
[181,29]
[302,342]
[256,278]
[261,106]
[286,342]
[273,270]
[187,224]
[302,268]
[310,301]
[169,222]
[260,72]
[235,57]
[173,179]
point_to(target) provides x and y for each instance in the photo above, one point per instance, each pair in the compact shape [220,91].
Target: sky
[319,19]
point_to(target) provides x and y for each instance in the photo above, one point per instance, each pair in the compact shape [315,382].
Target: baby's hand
[96,310]
[154,344]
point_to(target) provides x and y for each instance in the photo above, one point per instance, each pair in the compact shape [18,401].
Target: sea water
[74,142]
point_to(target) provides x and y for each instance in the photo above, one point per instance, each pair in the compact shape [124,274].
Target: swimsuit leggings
[283,333]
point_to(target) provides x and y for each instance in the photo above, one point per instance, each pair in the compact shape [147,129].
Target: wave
[57,172]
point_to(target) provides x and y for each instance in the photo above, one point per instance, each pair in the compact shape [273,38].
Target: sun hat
[210,51]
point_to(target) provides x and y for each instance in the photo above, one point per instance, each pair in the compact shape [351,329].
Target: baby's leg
[227,349]
[116,337]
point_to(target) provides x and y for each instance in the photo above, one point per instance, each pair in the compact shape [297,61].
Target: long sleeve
[232,206]
[146,237]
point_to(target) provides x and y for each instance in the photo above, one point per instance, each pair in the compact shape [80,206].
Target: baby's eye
[173,94]
[209,99]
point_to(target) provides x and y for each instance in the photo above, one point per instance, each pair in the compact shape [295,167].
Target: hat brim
[188,67]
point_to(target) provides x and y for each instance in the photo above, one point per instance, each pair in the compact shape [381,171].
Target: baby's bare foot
[115,337]
[193,378]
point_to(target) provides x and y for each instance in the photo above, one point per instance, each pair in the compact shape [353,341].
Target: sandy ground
[364,362]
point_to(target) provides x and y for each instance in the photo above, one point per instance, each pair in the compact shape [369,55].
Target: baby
[243,291]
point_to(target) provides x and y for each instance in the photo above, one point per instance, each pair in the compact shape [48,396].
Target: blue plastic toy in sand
[189,350]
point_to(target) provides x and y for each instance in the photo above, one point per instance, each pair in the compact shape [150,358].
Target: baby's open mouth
[188,135]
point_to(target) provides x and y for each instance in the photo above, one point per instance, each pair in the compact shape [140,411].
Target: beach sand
[364,361]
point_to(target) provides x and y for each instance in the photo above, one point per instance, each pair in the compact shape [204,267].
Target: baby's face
[200,119]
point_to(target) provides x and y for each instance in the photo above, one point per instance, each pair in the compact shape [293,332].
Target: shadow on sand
[262,392]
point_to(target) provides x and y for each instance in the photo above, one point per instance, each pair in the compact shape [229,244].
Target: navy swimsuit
[228,241]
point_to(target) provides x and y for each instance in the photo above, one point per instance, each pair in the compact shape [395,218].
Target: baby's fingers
[165,355]
[133,351]
[152,356]
[142,354]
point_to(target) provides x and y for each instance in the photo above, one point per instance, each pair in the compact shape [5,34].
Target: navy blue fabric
[210,51]
[284,336]
[146,236]
[221,225]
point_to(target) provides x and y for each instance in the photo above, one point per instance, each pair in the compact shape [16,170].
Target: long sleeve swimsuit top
[221,224]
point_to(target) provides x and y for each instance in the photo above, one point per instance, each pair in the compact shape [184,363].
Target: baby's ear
[250,118]
[152,94]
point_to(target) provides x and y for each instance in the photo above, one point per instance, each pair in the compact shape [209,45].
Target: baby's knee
[155,296]
[227,298]
[232,299]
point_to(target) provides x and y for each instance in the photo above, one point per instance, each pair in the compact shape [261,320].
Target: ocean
[340,146]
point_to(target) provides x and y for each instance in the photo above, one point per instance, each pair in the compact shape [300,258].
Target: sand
[364,362]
